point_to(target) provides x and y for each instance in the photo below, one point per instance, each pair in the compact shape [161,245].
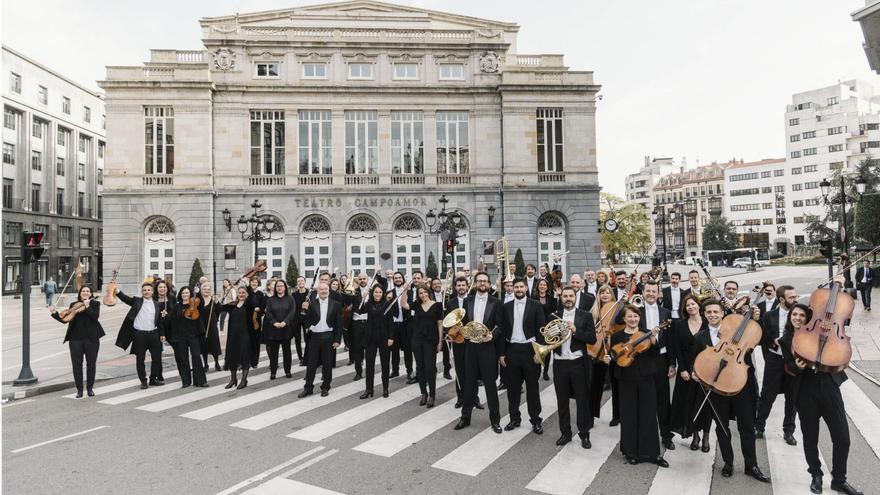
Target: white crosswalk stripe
[863,413]
[284,486]
[412,431]
[198,394]
[689,472]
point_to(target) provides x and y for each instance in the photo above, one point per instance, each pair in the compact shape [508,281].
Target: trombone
[502,257]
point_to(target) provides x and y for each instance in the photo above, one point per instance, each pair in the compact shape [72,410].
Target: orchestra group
[675,357]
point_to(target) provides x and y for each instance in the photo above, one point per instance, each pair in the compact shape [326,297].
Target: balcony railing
[361,180]
[551,177]
[405,180]
[453,179]
[158,180]
[267,180]
[316,180]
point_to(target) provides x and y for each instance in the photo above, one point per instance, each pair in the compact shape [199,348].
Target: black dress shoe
[79,394]
[479,406]
[564,439]
[695,442]
[538,428]
[458,404]
[143,385]
[496,428]
[305,393]
[430,402]
[217,367]
[614,422]
[667,443]
[816,484]
[185,385]
[410,381]
[512,425]
[424,400]
[288,375]
[546,377]
[385,393]
[241,385]
[759,433]
[325,393]
[90,392]
[844,487]
[585,442]
[727,470]
[272,375]
[755,472]
[357,377]
[789,439]
[462,424]
[231,384]
[705,448]
[661,462]
[367,394]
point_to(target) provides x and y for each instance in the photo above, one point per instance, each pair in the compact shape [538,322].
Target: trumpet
[555,334]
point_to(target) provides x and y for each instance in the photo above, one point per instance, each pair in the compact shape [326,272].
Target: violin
[723,368]
[192,309]
[68,314]
[259,267]
[624,353]
[110,293]
[607,314]
[823,343]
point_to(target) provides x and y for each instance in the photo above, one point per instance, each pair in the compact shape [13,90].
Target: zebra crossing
[570,470]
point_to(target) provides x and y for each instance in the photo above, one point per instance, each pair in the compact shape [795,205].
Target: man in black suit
[481,357]
[358,324]
[673,295]
[521,324]
[583,299]
[776,380]
[142,329]
[571,370]
[694,280]
[400,321]
[768,301]
[652,315]
[620,281]
[865,282]
[323,320]
[531,281]
[458,350]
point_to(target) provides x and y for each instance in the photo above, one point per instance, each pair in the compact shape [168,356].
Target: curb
[864,375]
[37,390]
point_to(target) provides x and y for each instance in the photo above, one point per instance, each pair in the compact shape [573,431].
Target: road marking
[110,388]
[197,395]
[309,463]
[863,413]
[410,432]
[50,356]
[284,486]
[269,471]
[689,472]
[573,468]
[65,437]
[357,415]
[490,445]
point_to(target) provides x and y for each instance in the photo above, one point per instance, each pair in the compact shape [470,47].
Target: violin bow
[847,267]
[714,411]
[72,274]
[396,299]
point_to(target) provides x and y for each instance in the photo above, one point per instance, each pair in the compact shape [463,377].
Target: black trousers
[570,382]
[355,344]
[866,295]
[775,382]
[480,362]
[272,347]
[597,387]
[320,353]
[819,397]
[458,355]
[521,366]
[661,385]
[742,407]
[401,343]
[425,354]
[638,419]
[89,350]
[186,348]
[384,361]
[447,363]
[143,342]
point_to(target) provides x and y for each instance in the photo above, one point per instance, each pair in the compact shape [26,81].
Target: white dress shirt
[592,287]
[399,316]
[365,294]
[438,296]
[652,319]
[518,336]
[565,349]
[508,297]
[713,335]
[145,321]
[530,284]
[783,317]
[864,275]
[322,326]
[460,302]
[675,296]
[480,306]
[768,304]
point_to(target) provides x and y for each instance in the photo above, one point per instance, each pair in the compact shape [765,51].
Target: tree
[817,230]
[196,273]
[292,272]
[634,232]
[869,170]
[520,263]
[868,219]
[431,271]
[719,233]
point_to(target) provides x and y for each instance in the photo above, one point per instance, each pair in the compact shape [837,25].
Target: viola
[624,353]
[68,314]
[192,309]
[823,342]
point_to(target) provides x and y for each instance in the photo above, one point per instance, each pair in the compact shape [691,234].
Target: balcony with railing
[158,180]
[545,177]
[316,180]
[453,179]
[407,179]
[266,180]
[362,180]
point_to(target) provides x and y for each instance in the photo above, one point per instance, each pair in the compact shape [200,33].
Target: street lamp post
[259,227]
[843,198]
[450,223]
[661,215]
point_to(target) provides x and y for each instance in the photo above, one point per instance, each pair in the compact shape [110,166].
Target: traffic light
[827,248]
[450,246]
[32,247]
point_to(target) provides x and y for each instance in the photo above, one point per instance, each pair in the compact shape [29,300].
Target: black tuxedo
[571,377]
[357,328]
[458,352]
[666,302]
[402,334]
[320,346]
[775,380]
[520,362]
[665,341]
[865,287]
[481,359]
[617,293]
[142,341]
[762,306]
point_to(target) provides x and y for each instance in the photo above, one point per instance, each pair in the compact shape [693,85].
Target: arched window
[159,249]
[409,244]
[551,238]
[315,245]
[362,240]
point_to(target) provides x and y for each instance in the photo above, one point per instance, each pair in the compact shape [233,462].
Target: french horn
[475,331]
[555,334]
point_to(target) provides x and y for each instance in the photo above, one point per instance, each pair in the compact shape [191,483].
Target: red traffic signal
[32,246]
[450,246]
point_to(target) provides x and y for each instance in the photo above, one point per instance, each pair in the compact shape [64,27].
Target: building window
[85,237]
[64,236]
[314,71]
[765,174]
[766,190]
[100,211]
[835,147]
[361,142]
[406,71]
[36,197]
[267,142]
[406,142]
[363,245]
[795,154]
[65,105]
[360,71]
[9,118]
[798,219]
[809,151]
[768,221]
[832,100]
[809,134]
[266,70]
[452,143]
[779,189]
[315,245]
[8,186]
[869,127]
[37,128]
[835,165]
[63,136]
[12,233]
[549,139]
[36,160]
[794,121]
[835,130]
[779,173]
[9,153]
[811,185]
[87,114]
[43,94]
[81,204]
[794,138]
[83,143]
[551,238]
[796,187]
[797,203]
[159,248]
[14,82]
[314,142]
[745,192]
[796,171]
[745,207]
[451,72]
[409,247]
[739,177]
[869,144]
[81,171]
[100,177]
[810,168]
[101,146]
[159,140]
[59,201]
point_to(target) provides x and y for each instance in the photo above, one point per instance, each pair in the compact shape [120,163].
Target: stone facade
[380,65]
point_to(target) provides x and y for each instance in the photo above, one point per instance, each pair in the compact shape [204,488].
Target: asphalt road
[266,440]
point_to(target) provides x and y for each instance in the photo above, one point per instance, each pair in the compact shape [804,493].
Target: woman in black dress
[163,296]
[83,332]
[548,304]
[187,334]
[639,434]
[427,329]
[688,394]
[209,339]
[278,324]
[238,345]
[378,338]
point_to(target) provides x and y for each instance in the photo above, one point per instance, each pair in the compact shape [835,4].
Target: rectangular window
[832,100]
[744,192]
[809,134]
[360,71]
[159,140]
[835,130]
[811,185]
[794,138]
[36,160]
[406,71]
[14,82]
[452,143]
[796,187]
[12,233]
[8,185]
[266,70]
[407,143]
[59,166]
[451,72]
[810,168]
[9,153]
[794,121]
[63,136]
[100,212]
[36,197]
[65,105]
[835,165]
[87,114]
[9,118]
[267,142]
[795,154]
[869,127]
[101,146]
[81,204]
[869,144]
[798,219]
[746,207]
[314,71]
[765,174]
[809,151]
[37,128]
[797,203]
[100,177]
[362,142]
[549,139]
[83,143]
[81,171]
[64,236]
[767,206]
[59,201]
[811,202]
[85,237]
[315,142]
[835,147]
[43,94]
[779,172]
[796,170]
[766,190]
[768,221]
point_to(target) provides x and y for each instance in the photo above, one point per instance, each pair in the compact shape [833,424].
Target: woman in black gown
[378,338]
[688,395]
[210,336]
[162,294]
[427,329]
[187,340]
[548,304]
[238,344]
[278,323]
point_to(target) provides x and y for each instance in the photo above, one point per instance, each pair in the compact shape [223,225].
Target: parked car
[745,262]
[687,260]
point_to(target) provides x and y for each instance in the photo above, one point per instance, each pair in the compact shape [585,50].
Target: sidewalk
[865,343]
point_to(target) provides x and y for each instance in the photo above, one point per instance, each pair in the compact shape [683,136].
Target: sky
[703,79]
